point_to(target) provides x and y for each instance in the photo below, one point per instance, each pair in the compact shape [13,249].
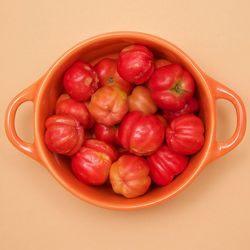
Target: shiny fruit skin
[108,105]
[165,164]
[129,176]
[106,70]
[63,135]
[161,62]
[185,135]
[80,81]
[76,109]
[141,100]
[141,134]
[171,87]
[135,64]
[108,134]
[92,163]
[192,106]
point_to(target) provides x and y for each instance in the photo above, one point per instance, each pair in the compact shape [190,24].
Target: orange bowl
[46,90]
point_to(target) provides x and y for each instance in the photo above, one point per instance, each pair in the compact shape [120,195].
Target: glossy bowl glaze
[46,90]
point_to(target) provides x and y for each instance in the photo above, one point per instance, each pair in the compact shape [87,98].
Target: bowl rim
[130,35]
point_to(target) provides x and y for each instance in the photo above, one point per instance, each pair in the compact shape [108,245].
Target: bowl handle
[222,92]
[27,94]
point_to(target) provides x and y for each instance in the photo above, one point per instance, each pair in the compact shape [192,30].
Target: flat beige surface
[37,213]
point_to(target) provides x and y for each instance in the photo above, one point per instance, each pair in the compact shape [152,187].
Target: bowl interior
[90,51]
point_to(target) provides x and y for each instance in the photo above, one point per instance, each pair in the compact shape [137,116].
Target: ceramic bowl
[45,91]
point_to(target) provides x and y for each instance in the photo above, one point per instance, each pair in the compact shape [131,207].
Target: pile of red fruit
[130,120]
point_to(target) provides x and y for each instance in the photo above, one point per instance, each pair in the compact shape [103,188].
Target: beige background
[37,213]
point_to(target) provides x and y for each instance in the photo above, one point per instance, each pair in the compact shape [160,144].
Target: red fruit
[62,97]
[171,87]
[68,106]
[106,133]
[129,176]
[163,120]
[80,81]
[102,147]
[141,134]
[165,164]
[92,163]
[161,62]
[185,135]
[141,100]
[135,64]
[106,70]
[64,134]
[108,105]
[192,106]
